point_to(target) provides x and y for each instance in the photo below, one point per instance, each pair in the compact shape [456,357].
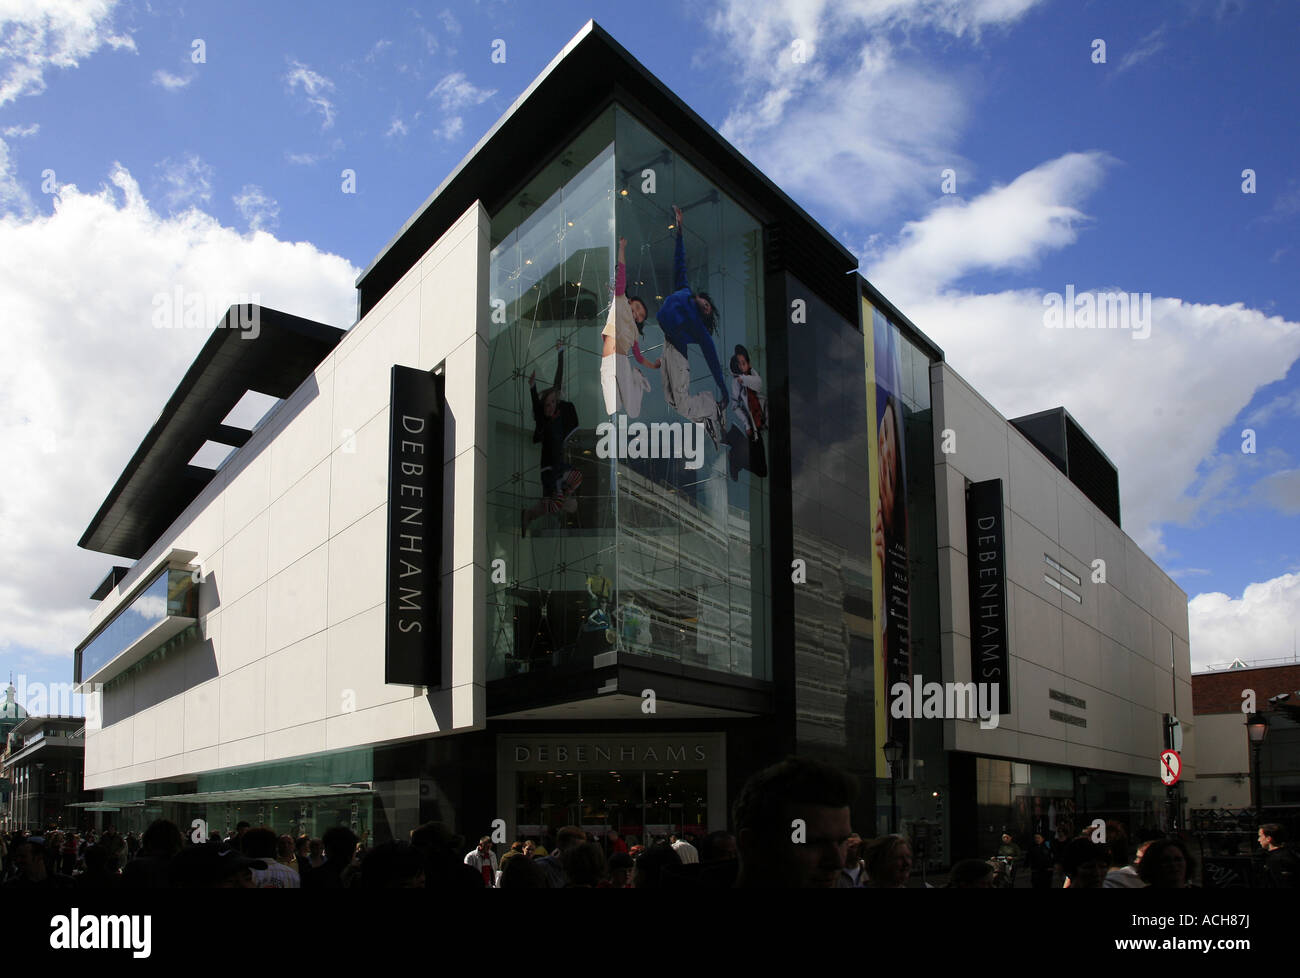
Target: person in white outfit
[620,382]
[749,414]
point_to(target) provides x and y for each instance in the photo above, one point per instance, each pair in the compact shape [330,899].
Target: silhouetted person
[797,799]
[585,865]
[1167,865]
[444,869]
[653,864]
[393,865]
[340,845]
[523,874]
[30,869]
[151,869]
[971,874]
[569,838]
[1281,865]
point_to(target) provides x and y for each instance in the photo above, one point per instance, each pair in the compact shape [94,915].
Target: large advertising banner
[890,593]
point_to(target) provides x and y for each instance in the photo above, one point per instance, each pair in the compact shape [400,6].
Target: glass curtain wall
[627,472]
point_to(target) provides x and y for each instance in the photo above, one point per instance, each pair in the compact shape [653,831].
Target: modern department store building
[323,629]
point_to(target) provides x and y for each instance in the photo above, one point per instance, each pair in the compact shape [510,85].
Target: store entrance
[639,805]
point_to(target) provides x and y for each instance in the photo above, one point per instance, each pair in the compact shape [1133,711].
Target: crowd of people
[792,829]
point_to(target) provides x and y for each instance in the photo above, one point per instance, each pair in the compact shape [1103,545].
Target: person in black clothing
[30,868]
[554,422]
[340,846]
[151,870]
[1040,860]
[1281,865]
[444,868]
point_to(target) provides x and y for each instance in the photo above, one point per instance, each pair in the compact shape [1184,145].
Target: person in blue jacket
[688,317]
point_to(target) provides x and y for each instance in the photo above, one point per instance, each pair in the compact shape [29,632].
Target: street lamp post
[1256,730]
[893,754]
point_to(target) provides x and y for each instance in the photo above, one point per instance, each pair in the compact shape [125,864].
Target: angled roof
[159,483]
[591,71]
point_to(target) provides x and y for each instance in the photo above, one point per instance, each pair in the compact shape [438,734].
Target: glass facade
[636,804]
[830,502]
[627,470]
[171,593]
[1022,799]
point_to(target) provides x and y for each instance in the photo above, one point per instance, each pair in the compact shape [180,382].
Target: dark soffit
[159,482]
[582,78]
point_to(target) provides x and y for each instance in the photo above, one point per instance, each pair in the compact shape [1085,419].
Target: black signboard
[986,560]
[413,634]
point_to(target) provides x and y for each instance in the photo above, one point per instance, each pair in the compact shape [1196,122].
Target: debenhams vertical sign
[987,563]
[413,643]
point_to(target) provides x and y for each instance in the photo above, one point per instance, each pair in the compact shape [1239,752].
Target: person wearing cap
[688,317]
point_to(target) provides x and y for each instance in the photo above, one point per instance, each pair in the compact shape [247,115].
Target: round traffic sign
[1171,767]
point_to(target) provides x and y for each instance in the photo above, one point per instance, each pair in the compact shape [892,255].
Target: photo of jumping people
[686,318]
[622,384]
[749,409]
[649,533]
[555,421]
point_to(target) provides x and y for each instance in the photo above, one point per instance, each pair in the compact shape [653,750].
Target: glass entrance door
[639,805]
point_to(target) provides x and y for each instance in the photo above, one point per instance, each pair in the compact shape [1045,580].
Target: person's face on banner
[888,446]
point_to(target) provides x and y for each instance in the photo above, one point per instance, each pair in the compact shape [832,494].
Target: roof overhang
[159,482]
[280,792]
[591,71]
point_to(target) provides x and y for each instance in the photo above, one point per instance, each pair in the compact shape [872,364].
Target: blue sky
[1122,175]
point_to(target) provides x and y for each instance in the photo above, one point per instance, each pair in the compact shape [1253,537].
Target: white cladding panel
[1111,650]
[291,535]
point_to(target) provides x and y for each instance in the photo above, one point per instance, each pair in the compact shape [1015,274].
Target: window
[1063,589]
[1061,570]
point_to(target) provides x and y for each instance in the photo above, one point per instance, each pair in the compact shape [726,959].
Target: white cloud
[14,197]
[87,374]
[42,34]
[1281,490]
[378,48]
[451,128]
[449,23]
[397,128]
[314,86]
[18,132]
[1284,405]
[1131,396]
[1258,625]
[173,83]
[304,159]
[455,91]
[1004,228]
[879,123]
[1143,50]
[187,182]
[261,212]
